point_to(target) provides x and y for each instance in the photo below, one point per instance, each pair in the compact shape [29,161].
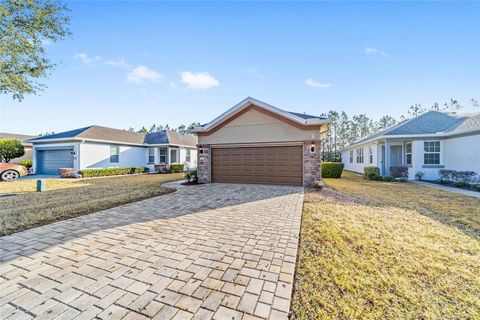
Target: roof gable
[296,119]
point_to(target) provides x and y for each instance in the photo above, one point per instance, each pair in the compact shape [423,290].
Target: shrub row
[176,168]
[466,177]
[331,169]
[88,173]
[373,173]
[26,163]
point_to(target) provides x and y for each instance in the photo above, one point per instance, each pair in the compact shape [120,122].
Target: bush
[191,177]
[67,173]
[419,175]
[466,176]
[331,169]
[88,173]
[10,149]
[26,163]
[399,172]
[176,168]
[372,173]
[388,179]
[448,176]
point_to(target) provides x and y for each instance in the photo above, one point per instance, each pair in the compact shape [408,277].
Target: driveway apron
[215,251]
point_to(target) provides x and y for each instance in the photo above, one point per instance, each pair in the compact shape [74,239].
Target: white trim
[145,145]
[246,102]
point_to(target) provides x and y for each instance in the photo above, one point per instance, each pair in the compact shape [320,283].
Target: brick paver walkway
[215,251]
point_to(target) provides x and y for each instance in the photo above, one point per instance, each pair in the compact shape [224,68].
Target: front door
[396,156]
[173,156]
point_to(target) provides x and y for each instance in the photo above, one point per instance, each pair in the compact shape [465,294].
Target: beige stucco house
[254,142]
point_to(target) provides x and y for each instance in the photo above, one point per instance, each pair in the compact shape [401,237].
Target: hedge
[372,172]
[331,169]
[176,168]
[26,163]
[88,173]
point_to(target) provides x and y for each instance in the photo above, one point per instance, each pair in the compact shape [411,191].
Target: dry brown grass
[447,207]
[67,198]
[387,251]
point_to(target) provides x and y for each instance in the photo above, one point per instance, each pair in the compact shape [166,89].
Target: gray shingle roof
[171,137]
[305,116]
[117,135]
[432,122]
[16,136]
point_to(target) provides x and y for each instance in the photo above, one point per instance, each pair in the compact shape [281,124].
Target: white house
[101,147]
[427,143]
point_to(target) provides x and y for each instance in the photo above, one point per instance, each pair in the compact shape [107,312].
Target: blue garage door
[48,161]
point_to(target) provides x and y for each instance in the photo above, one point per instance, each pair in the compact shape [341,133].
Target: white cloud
[199,81]
[85,58]
[143,74]
[253,71]
[315,84]
[375,51]
[119,63]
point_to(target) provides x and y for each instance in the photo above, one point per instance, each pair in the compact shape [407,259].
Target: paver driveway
[220,251]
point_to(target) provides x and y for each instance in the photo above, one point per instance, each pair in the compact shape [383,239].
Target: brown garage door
[267,165]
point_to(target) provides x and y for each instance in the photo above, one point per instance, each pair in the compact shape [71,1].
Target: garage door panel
[49,161]
[267,165]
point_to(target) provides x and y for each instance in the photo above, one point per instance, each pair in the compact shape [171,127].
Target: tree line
[345,130]
[154,128]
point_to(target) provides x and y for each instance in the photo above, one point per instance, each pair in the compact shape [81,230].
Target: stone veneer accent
[311,163]
[203,164]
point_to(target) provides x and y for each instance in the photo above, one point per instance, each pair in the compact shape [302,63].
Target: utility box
[41,185]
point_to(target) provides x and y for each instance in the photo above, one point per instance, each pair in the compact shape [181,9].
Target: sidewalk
[451,189]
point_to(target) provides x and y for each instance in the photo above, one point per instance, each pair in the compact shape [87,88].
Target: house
[254,142]
[429,142]
[26,145]
[102,147]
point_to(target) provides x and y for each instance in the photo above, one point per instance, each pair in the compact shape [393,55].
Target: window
[114,154]
[151,155]
[408,153]
[351,156]
[360,155]
[370,154]
[163,155]
[188,156]
[431,153]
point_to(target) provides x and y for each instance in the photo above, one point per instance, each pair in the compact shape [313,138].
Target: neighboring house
[101,147]
[426,143]
[26,145]
[254,142]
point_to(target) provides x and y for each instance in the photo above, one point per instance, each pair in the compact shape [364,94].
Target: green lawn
[67,198]
[376,250]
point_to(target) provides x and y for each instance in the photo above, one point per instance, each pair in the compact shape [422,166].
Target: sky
[132,64]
